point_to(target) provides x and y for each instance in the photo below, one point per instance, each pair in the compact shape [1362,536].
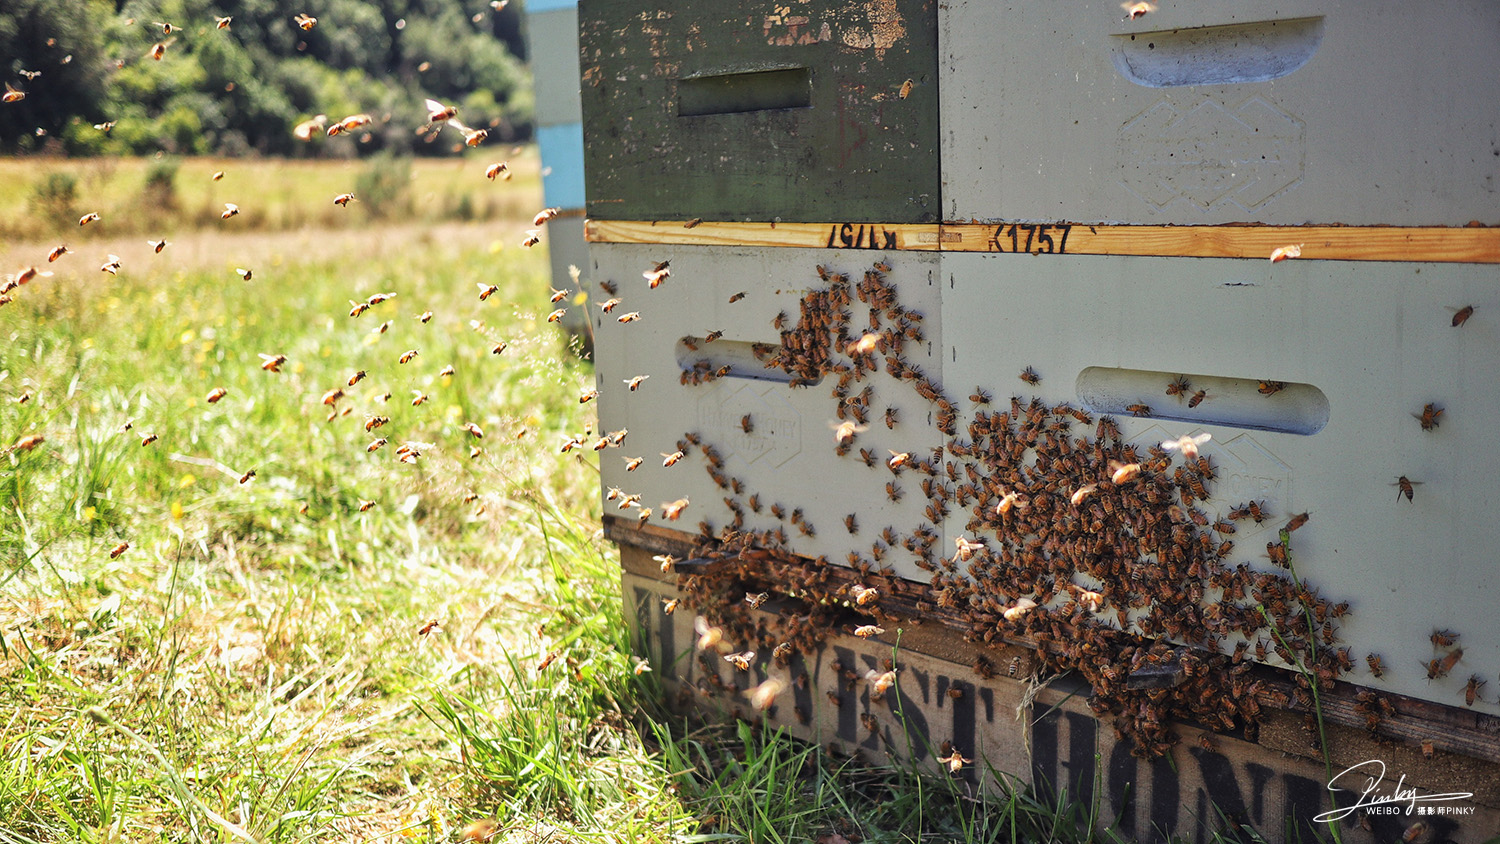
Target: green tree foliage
[243,90]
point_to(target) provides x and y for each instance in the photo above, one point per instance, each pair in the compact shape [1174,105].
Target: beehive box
[1148,568]
[1376,112]
[749,111]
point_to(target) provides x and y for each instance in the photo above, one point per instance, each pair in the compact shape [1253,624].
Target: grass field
[345,646]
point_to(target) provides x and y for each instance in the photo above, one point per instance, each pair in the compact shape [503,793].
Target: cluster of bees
[337,399]
[1090,549]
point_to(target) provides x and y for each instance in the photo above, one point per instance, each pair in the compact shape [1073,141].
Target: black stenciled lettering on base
[860,236]
[1051,773]
[1031,238]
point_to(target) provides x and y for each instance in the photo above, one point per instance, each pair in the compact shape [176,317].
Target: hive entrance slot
[702,360]
[1264,405]
[733,93]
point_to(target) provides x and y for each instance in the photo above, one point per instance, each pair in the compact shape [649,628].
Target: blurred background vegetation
[242,90]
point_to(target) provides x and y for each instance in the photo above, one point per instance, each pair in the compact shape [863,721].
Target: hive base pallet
[1039,732]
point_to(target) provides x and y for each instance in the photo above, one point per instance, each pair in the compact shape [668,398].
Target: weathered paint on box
[1372,112]
[1044,735]
[798,112]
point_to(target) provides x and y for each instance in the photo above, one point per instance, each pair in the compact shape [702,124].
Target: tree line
[107,77]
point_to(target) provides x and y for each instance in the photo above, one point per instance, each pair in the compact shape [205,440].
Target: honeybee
[736,297]
[865,631]
[556,315]
[111,265]
[633,463]
[158,50]
[12,94]
[1009,501]
[643,516]
[147,440]
[1030,376]
[500,170]
[1429,416]
[486,290]
[56,253]
[1271,388]
[158,245]
[740,661]
[1462,315]
[1444,638]
[245,478]
[115,552]
[1139,409]
[764,695]
[1178,387]
[222,23]
[863,595]
[88,218]
[1188,445]
[1082,493]
[1376,666]
[1136,10]
[27,442]
[609,305]
[955,761]
[373,422]
[559,295]
[499,349]
[669,605]
[408,355]
[499,5]
[610,287]
[243,273]
[332,396]
[218,174]
[1197,398]
[673,510]
[533,237]
[215,394]
[230,210]
[272,363]
[1281,253]
[308,22]
[657,274]
[474,430]
[630,317]
[1471,690]
[343,200]
[357,308]
[756,599]
[418,398]
[1297,521]
[635,383]
[843,433]
[1404,486]
[543,216]
[1020,608]
[364,505]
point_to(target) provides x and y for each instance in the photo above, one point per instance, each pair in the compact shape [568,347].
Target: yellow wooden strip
[1330,243]
[822,235]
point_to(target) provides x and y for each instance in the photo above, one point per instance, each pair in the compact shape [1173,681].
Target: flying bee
[674,510]
[955,760]
[543,216]
[559,295]
[764,695]
[215,394]
[1082,492]
[373,422]
[756,599]
[1197,398]
[556,315]
[111,265]
[609,305]
[1020,608]
[446,371]
[56,253]
[1404,486]
[712,336]
[1281,253]
[1124,473]
[1462,315]
[486,290]
[381,328]
[115,552]
[1178,387]
[375,444]
[308,22]
[633,463]
[669,606]
[740,661]
[158,50]
[357,308]
[1135,10]
[657,274]
[222,23]
[218,174]
[865,631]
[158,245]
[1297,521]
[245,478]
[418,398]
[147,440]
[88,218]
[533,237]
[12,94]
[736,297]
[408,356]
[1030,376]
[343,200]
[1188,445]
[630,317]
[272,363]
[843,433]
[643,516]
[863,595]
[474,430]
[230,210]
[499,349]
[1429,416]
[587,396]
[243,273]
[501,170]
